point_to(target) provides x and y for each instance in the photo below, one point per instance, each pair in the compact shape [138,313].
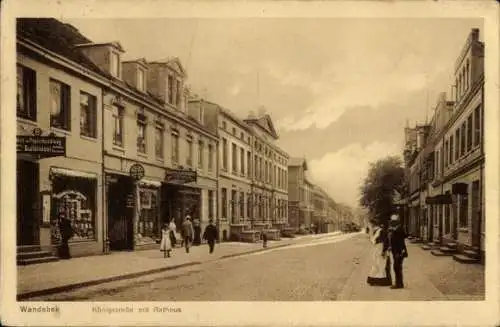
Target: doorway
[121,206]
[28,230]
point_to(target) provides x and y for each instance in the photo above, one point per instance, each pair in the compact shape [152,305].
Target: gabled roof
[58,37]
[297,162]
[266,123]
[115,44]
[173,62]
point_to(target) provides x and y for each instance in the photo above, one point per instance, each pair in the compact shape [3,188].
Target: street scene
[216,160]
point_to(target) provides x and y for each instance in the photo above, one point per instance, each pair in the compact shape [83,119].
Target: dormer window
[114,64]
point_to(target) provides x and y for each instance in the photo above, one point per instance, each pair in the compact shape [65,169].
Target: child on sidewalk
[166,243]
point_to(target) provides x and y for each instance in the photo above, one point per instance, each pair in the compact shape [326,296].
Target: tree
[384,178]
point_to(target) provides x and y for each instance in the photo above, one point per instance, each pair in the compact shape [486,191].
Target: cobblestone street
[314,270]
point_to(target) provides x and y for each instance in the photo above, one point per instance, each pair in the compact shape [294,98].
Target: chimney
[135,73]
[106,56]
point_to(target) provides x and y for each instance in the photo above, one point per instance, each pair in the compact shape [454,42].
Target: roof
[57,37]
[117,45]
[169,61]
[265,122]
[297,162]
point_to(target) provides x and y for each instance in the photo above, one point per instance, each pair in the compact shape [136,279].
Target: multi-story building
[324,213]
[451,163]
[300,194]
[59,154]
[135,161]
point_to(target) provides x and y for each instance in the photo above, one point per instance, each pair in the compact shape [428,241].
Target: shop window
[224,202]
[147,219]
[75,199]
[26,93]
[118,125]
[88,115]
[60,105]
[464,211]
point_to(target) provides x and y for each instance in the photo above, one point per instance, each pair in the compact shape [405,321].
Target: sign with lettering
[130,202]
[42,146]
[180,176]
[136,171]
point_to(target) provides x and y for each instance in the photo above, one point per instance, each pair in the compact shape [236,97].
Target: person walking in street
[264,239]
[172,230]
[197,232]
[210,235]
[398,248]
[67,232]
[166,243]
[187,232]
[380,273]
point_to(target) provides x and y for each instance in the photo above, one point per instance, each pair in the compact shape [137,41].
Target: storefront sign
[130,201]
[180,176]
[136,172]
[42,146]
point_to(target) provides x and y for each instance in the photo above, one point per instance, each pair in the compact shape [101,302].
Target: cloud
[341,173]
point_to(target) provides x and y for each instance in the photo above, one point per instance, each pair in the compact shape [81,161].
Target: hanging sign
[180,176]
[136,171]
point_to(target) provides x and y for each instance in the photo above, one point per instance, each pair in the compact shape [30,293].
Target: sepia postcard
[253,163]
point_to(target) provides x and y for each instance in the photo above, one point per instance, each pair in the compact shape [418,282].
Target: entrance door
[28,232]
[121,202]
[476,215]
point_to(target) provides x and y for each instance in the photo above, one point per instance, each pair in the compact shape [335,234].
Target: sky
[339,90]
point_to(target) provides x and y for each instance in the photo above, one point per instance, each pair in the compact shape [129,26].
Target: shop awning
[149,182]
[72,173]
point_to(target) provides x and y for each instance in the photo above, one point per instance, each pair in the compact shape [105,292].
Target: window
[26,93]
[178,93]
[249,205]
[140,80]
[115,64]
[118,125]
[256,167]
[146,223]
[235,158]
[469,133]
[242,205]
[234,131]
[224,126]
[224,154]
[60,113]
[170,89]
[211,204]
[175,147]
[464,211]
[242,137]
[446,154]
[457,144]
[249,164]
[141,134]
[224,202]
[467,74]
[88,115]
[242,161]
[233,205]
[451,149]
[200,154]
[477,125]
[159,143]
[189,159]
[210,157]
[463,138]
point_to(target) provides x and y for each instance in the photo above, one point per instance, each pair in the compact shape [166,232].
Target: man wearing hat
[187,232]
[398,249]
[210,234]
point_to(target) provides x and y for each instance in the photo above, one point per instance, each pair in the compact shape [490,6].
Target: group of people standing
[190,232]
[389,243]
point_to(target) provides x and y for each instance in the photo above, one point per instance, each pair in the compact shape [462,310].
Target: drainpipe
[104,190]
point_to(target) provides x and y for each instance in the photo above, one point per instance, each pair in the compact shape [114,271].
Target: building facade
[300,190]
[445,175]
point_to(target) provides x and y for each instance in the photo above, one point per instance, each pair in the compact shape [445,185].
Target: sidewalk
[426,278]
[60,276]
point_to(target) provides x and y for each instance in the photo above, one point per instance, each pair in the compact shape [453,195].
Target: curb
[70,287]
[252,251]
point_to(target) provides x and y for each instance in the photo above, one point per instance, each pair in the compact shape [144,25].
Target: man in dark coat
[66,233]
[398,249]
[210,234]
[197,231]
[187,232]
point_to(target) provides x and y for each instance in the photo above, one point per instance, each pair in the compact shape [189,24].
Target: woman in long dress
[166,244]
[380,272]
[173,229]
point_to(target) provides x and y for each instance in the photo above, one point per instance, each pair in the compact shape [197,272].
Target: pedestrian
[166,243]
[264,239]
[380,273]
[67,232]
[398,248]
[187,232]
[210,235]
[197,232]
[172,228]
